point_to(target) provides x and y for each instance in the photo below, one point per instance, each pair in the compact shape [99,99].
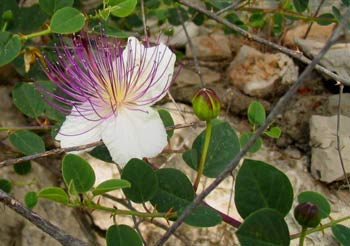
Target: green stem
[37,34]
[302,236]
[16,128]
[130,212]
[321,228]
[204,154]
[4,27]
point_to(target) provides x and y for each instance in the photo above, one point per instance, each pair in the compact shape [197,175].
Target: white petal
[77,130]
[134,134]
[145,59]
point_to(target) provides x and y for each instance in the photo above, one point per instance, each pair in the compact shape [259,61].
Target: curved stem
[321,228]
[37,34]
[204,154]
[302,236]
[130,212]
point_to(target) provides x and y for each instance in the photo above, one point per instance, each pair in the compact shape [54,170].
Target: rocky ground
[240,71]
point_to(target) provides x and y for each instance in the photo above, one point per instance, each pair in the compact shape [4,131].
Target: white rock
[213,46]
[258,74]
[336,59]
[190,77]
[325,163]
[332,104]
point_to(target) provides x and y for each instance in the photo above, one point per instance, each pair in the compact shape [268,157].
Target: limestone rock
[213,46]
[261,75]
[317,32]
[332,104]
[325,163]
[190,77]
[336,59]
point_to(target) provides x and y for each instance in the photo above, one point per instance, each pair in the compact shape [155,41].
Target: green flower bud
[307,214]
[206,104]
[7,15]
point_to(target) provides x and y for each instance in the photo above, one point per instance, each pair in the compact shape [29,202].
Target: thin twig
[232,6]
[144,21]
[315,15]
[341,87]
[274,112]
[194,54]
[44,225]
[75,148]
[248,35]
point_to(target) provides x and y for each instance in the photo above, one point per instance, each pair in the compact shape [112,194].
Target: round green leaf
[260,185]
[10,46]
[144,182]
[54,194]
[122,235]
[326,19]
[5,185]
[175,190]
[167,121]
[274,132]
[317,199]
[223,147]
[51,6]
[27,100]
[27,142]
[257,20]
[256,113]
[31,199]
[341,234]
[67,20]
[244,138]
[265,227]
[29,19]
[101,152]
[300,5]
[202,216]
[22,168]
[346,3]
[109,185]
[122,8]
[79,172]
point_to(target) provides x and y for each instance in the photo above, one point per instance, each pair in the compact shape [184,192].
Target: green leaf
[319,200]
[51,6]
[5,185]
[101,152]
[10,46]
[109,185]
[326,19]
[223,147]
[27,100]
[175,190]
[122,8]
[274,132]
[244,138]
[144,182]
[22,168]
[260,185]
[265,227]
[122,235]
[29,19]
[257,20]
[346,3]
[27,142]
[55,194]
[341,234]
[77,170]
[300,5]
[173,16]
[202,216]
[67,20]
[167,121]
[256,113]
[337,13]
[31,199]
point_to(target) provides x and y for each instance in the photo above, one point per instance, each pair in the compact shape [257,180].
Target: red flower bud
[307,214]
